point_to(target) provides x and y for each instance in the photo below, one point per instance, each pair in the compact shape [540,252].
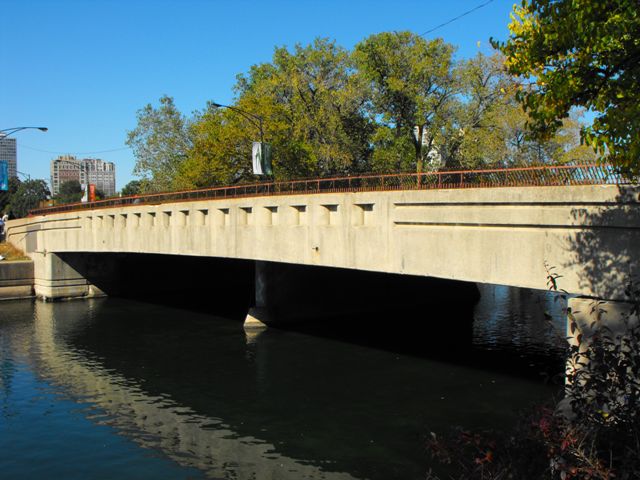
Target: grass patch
[9,252]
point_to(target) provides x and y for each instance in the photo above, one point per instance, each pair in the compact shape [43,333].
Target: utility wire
[478,7]
[74,153]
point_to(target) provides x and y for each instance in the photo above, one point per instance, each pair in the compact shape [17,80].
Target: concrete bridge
[469,227]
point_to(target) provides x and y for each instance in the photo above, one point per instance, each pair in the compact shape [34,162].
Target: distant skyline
[84,68]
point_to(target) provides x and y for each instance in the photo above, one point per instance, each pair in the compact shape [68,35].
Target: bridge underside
[290,293]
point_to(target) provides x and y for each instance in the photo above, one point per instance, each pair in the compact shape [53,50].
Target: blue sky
[83,68]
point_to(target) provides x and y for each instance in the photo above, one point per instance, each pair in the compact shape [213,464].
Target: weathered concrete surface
[590,234]
[16,279]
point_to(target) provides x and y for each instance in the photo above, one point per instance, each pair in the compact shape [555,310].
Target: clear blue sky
[83,68]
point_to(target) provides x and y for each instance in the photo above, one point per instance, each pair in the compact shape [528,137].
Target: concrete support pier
[259,315]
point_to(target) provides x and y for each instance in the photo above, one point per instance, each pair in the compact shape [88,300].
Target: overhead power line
[75,153]
[477,7]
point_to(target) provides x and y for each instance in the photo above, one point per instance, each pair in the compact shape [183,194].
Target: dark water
[112,388]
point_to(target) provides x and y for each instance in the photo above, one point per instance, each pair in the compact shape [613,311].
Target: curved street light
[10,131]
[256,120]
[261,151]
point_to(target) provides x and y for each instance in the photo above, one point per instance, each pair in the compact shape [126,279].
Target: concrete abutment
[62,276]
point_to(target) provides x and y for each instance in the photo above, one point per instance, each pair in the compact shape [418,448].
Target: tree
[485,112]
[493,123]
[27,197]
[160,143]
[581,53]
[5,196]
[100,195]
[312,110]
[70,192]
[134,187]
[412,83]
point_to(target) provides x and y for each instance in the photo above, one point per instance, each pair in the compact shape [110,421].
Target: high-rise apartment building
[87,170]
[9,153]
[101,174]
[65,168]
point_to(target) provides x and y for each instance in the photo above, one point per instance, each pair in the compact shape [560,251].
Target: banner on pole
[261,155]
[4,175]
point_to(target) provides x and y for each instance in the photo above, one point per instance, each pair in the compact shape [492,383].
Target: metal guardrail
[560,175]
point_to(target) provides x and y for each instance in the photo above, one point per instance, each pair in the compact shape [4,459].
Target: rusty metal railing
[558,175]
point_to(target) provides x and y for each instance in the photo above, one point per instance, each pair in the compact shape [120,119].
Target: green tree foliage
[28,196]
[328,111]
[70,192]
[411,83]
[493,124]
[160,143]
[134,187]
[312,109]
[221,152]
[582,53]
[5,196]
[483,113]
[100,195]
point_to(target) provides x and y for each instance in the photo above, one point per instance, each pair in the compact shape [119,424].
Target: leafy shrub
[593,433]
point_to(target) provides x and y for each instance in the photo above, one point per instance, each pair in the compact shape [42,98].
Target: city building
[102,174]
[65,168]
[9,153]
[87,170]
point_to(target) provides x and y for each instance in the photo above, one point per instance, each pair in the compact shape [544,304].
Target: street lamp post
[10,131]
[4,133]
[252,117]
[261,151]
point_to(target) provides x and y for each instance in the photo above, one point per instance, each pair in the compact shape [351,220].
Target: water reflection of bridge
[192,386]
[157,421]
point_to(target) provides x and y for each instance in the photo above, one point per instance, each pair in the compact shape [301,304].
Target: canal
[121,388]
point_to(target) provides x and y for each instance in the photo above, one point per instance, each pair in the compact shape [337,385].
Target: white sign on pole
[256,155]
[261,156]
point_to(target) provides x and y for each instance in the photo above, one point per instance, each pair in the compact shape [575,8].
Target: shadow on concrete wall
[605,252]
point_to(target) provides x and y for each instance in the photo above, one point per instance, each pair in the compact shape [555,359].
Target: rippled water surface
[112,388]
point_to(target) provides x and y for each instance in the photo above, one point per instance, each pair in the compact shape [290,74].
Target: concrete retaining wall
[16,279]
